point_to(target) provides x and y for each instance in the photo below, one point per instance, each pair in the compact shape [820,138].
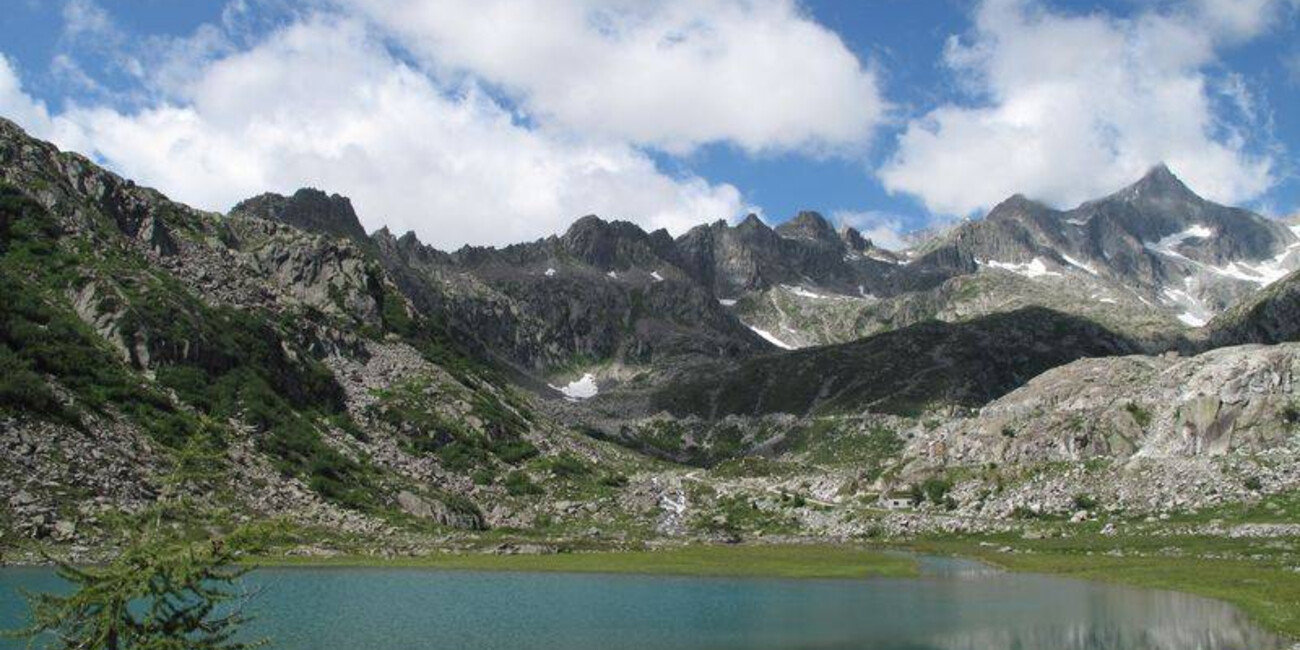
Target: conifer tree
[155,596]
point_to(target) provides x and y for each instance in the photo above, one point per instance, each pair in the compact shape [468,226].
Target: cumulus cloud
[322,102]
[672,74]
[882,228]
[1069,107]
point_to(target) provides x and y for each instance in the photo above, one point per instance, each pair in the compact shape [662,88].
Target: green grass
[839,562]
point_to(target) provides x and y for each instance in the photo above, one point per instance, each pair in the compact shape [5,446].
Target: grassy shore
[783,561]
[1266,590]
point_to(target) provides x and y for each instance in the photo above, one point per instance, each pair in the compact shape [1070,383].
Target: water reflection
[1091,616]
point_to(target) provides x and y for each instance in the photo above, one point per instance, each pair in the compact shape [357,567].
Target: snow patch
[656,276]
[1033,269]
[550,273]
[612,275]
[1194,313]
[1083,265]
[1265,272]
[767,336]
[1262,273]
[1168,245]
[726,302]
[801,292]
[580,389]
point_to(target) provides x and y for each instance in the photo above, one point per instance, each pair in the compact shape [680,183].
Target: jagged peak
[310,209]
[585,224]
[409,238]
[592,225]
[11,129]
[808,225]
[1158,183]
[1160,170]
[751,220]
[1014,205]
[852,237]
[809,218]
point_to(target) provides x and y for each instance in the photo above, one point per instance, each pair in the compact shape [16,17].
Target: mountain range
[368,386]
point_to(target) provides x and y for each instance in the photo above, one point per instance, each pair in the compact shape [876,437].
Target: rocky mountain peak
[1017,205]
[752,222]
[611,244]
[808,225]
[309,209]
[854,239]
[1159,183]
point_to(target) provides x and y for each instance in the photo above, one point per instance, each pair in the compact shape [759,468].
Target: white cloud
[1291,62]
[17,105]
[673,74]
[322,103]
[1075,106]
[1235,19]
[883,229]
[85,17]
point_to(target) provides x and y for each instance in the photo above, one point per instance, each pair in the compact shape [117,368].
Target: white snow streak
[1034,269]
[767,336]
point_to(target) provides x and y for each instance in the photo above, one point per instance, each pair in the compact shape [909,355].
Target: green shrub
[566,465]
[614,480]
[513,452]
[1021,512]
[23,390]
[1291,414]
[935,489]
[519,484]
[1254,484]
[1140,415]
[499,420]
[1084,502]
[460,456]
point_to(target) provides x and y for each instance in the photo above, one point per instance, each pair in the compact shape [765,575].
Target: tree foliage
[157,595]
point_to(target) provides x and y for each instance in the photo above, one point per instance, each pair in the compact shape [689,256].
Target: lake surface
[955,606]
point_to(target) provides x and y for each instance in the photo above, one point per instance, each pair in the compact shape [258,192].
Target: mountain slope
[907,371]
[732,260]
[1271,316]
[1149,261]
[262,370]
[1210,404]
[602,292]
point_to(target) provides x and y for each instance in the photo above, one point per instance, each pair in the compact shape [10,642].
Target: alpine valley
[1127,369]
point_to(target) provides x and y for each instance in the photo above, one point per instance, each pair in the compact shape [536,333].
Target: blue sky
[488,122]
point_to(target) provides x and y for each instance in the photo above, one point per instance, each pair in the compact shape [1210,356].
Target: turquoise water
[956,606]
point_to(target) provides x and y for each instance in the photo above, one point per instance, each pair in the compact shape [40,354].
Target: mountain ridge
[375,392]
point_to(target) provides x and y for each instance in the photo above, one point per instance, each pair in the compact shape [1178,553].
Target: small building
[896,501]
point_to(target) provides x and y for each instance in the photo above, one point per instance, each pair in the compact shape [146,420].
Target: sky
[489,122]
